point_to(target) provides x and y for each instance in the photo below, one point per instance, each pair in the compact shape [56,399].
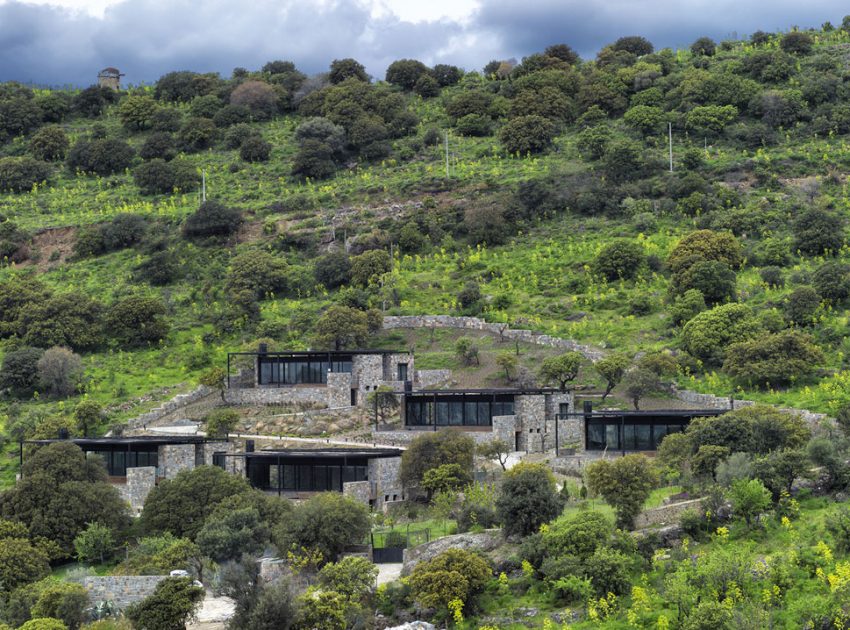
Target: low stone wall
[360,491]
[482,541]
[666,514]
[724,402]
[403,438]
[121,590]
[175,404]
[278,395]
[427,379]
[476,323]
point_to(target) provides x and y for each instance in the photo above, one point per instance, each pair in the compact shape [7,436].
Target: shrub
[705,245]
[170,606]
[527,134]
[818,232]
[230,115]
[206,106]
[229,536]
[212,219]
[104,156]
[796,42]
[60,372]
[749,499]
[715,280]
[369,266]
[527,499]
[633,44]
[50,144]
[625,483]
[136,112]
[197,134]
[125,230]
[623,160]
[832,281]
[474,125]
[608,571]
[687,306]
[67,319]
[772,277]
[238,134]
[19,373]
[159,144]
[257,271]
[333,269]
[157,176]
[20,174]
[709,615]
[314,160]
[166,119]
[619,260]
[838,525]
[455,574]
[258,97]
[351,577]
[703,47]
[255,149]
[771,360]
[579,535]
[137,321]
[406,72]
[342,327]
[708,334]
[432,450]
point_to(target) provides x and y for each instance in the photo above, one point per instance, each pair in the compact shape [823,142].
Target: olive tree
[625,483]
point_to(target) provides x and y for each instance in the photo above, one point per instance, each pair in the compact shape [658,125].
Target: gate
[387,555]
[388,547]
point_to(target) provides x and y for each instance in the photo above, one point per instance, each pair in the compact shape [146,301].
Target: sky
[66,42]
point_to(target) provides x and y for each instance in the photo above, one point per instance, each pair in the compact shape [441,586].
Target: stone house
[332,379]
[110,78]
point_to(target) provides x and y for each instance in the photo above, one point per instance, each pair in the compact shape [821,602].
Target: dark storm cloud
[589,25]
[146,38]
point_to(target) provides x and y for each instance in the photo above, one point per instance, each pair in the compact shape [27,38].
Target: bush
[838,525]
[20,174]
[229,536]
[206,106]
[170,606]
[619,260]
[369,266]
[796,42]
[157,176]
[238,134]
[432,450]
[832,281]
[687,306]
[527,499]
[406,72]
[703,47]
[715,280]
[342,327]
[104,156]
[579,535]
[771,360]
[230,115]
[258,97]
[255,149]
[137,321]
[709,615]
[60,372]
[197,134]
[625,483]
[623,160]
[258,272]
[527,134]
[136,112]
[749,499]
[608,571]
[314,160]
[818,232]
[351,577]
[709,333]
[212,219]
[772,277]
[333,270]
[49,144]
[160,145]
[453,574]
[706,245]
[474,125]
[19,373]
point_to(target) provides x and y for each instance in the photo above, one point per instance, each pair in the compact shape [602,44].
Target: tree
[706,245]
[796,42]
[275,608]
[801,305]
[431,450]
[327,522]
[197,134]
[444,479]
[713,279]
[314,160]
[342,327]
[221,422]
[137,321]
[707,458]
[447,75]
[65,601]
[527,134]
[44,623]
[212,218]
[206,106]
[497,449]
[508,362]
[157,176]
[60,372]
[703,47]
[102,156]
[527,499]
[182,504]
[259,97]
[94,543]
[384,401]
[343,69]
[619,260]
[369,266]
[257,272]
[50,144]
[709,615]
[351,577]
[255,149]
[60,493]
[19,373]
[709,333]
[832,281]
[333,270]
[406,72]
[612,368]
[562,369]
[136,112]
[625,483]
[20,174]
[455,574]
[87,415]
[818,232]
[228,536]
[749,499]
[634,44]
[172,604]
[21,563]
[623,160]
[647,119]
[67,319]
[774,359]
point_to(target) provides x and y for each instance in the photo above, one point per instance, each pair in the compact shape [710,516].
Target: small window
[402,371]
[386,497]
[395,497]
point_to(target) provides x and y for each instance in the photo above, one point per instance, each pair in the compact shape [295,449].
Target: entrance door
[402,371]
[353,397]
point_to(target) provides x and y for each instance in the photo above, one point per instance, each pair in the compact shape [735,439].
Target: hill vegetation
[536,193]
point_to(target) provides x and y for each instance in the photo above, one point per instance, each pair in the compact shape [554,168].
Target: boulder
[481,541]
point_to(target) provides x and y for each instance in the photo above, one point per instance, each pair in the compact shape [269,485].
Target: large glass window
[281,370]
[636,436]
[457,410]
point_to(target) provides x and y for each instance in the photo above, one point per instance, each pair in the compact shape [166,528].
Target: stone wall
[384,474]
[666,514]
[358,490]
[427,379]
[403,438]
[175,457]
[724,402]
[475,323]
[140,482]
[289,394]
[482,541]
[121,590]
[338,392]
[505,428]
[175,404]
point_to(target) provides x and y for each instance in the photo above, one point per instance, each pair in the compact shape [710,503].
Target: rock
[415,625]
[482,541]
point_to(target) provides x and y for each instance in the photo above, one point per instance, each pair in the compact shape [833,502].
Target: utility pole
[447,154]
[670,137]
[203,186]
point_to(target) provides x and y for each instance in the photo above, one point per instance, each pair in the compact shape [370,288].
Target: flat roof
[155,440]
[311,353]
[497,390]
[616,413]
[329,452]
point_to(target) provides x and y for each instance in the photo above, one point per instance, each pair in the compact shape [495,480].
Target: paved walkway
[389,572]
[193,430]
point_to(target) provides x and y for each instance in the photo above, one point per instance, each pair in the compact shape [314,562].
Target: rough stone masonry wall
[175,457]
[278,395]
[426,379]
[140,482]
[358,490]
[504,428]
[385,474]
[666,514]
[338,392]
[121,590]
[175,404]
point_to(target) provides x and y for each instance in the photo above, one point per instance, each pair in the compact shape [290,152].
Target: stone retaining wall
[666,514]
[724,402]
[121,590]
[167,408]
[482,541]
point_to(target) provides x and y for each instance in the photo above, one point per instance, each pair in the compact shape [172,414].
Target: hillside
[558,213]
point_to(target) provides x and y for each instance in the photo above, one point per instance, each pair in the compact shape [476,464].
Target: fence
[389,546]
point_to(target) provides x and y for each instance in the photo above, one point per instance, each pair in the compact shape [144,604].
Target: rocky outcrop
[482,541]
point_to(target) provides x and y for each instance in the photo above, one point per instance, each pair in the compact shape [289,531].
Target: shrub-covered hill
[538,194]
